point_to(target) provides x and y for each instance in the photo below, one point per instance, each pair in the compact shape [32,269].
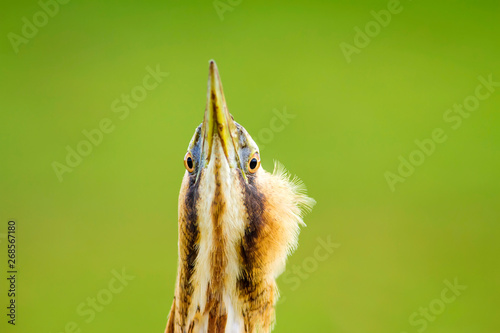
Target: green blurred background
[352,121]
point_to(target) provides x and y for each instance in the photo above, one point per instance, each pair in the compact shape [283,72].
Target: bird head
[220,140]
[237,207]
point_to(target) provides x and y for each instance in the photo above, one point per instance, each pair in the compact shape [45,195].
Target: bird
[237,224]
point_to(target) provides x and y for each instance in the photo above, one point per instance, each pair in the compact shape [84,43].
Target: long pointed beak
[217,120]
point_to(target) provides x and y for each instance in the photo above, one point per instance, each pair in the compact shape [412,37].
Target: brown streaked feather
[272,213]
[171,319]
[193,326]
[216,320]
[215,306]
[188,250]
[256,252]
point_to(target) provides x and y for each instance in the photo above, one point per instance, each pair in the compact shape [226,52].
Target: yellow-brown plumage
[237,225]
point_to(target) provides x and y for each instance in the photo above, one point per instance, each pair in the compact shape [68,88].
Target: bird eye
[188,162]
[254,163]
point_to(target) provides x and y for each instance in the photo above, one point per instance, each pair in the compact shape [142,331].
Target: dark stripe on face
[192,222]
[254,202]
[188,240]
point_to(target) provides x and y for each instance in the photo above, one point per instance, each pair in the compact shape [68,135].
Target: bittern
[237,225]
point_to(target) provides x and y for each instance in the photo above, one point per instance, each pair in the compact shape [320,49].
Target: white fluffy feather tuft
[303,202]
